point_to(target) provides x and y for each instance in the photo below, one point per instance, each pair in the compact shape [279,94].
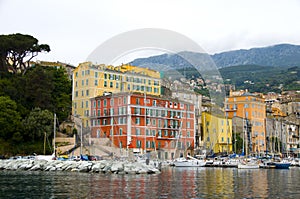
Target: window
[138,144]
[188,134]
[148,144]
[94,104]
[138,131]
[76,93]
[154,122]
[117,85]
[153,144]
[87,92]
[111,102]
[86,104]
[96,74]
[120,131]
[105,76]
[188,144]
[188,125]
[166,132]
[87,82]
[147,132]
[111,85]
[159,133]
[147,121]
[137,111]
[96,82]
[76,84]
[105,103]
[104,122]
[137,120]
[153,132]
[181,106]
[98,103]
[82,93]
[154,102]
[105,83]
[165,123]
[105,112]
[76,74]
[137,100]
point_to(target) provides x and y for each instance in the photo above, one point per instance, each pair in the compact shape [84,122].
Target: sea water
[171,183]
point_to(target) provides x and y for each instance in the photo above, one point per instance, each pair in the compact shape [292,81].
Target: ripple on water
[171,183]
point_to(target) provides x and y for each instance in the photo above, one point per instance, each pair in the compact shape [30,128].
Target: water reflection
[171,183]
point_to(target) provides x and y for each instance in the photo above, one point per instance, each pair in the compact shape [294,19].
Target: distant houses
[140,111]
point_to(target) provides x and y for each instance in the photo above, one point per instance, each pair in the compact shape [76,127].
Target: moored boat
[282,165]
[189,162]
[183,162]
[245,164]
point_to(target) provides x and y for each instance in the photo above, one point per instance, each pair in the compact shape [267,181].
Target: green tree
[237,142]
[62,94]
[17,50]
[37,124]
[39,89]
[10,119]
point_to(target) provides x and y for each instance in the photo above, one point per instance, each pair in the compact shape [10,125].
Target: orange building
[252,109]
[144,123]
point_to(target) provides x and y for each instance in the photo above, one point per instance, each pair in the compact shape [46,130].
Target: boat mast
[54,136]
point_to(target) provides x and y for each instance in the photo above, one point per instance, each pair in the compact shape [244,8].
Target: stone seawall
[102,166]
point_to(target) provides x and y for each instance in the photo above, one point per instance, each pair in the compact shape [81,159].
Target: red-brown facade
[143,122]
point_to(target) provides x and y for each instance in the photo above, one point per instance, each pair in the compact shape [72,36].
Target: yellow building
[90,80]
[252,109]
[217,133]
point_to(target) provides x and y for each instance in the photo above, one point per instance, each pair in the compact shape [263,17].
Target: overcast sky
[73,29]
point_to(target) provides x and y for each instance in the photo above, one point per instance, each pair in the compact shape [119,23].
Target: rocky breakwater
[102,166]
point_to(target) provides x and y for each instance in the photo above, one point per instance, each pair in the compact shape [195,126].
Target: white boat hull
[248,166]
[189,163]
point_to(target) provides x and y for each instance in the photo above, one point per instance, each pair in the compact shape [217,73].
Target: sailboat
[247,163]
[53,156]
[190,162]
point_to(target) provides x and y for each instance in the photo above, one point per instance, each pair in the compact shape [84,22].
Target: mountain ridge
[279,55]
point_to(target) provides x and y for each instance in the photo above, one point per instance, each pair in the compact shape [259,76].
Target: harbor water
[172,182]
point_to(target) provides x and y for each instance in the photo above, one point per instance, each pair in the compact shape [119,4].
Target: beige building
[90,80]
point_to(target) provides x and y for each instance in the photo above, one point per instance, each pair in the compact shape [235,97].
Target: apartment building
[90,80]
[217,133]
[252,109]
[144,123]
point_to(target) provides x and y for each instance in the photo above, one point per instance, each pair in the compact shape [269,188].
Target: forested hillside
[27,105]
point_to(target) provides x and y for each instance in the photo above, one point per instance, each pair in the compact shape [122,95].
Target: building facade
[252,109]
[144,123]
[217,132]
[91,80]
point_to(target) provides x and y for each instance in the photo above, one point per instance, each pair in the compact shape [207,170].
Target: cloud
[74,29]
